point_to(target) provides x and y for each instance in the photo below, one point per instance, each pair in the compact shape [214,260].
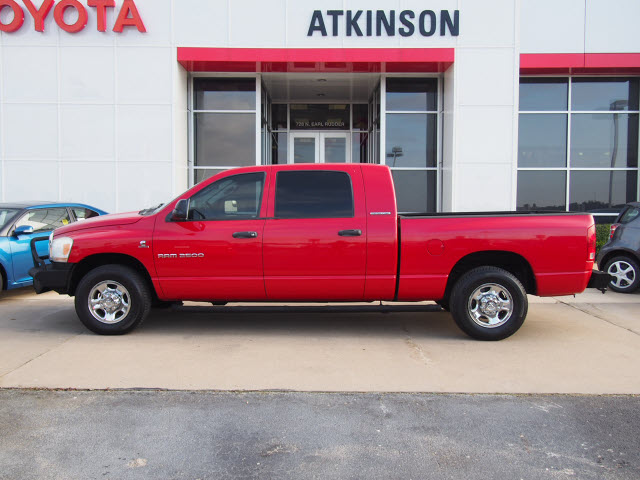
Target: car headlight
[60,248]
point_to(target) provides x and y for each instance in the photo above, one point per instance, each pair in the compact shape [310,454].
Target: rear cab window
[313,194]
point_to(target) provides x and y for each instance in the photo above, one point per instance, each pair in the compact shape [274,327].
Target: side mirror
[180,211]
[23,230]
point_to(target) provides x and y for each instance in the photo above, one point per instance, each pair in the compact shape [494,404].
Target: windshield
[6,214]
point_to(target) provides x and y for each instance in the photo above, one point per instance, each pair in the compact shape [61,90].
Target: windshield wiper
[148,211]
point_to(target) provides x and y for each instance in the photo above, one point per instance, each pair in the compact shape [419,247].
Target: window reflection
[225,139]
[415,190]
[411,140]
[542,140]
[598,191]
[604,140]
[604,94]
[543,94]
[412,94]
[540,190]
[225,93]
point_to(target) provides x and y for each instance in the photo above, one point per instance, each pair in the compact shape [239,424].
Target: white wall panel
[144,75]
[89,182]
[486,77]
[299,18]
[487,23]
[87,74]
[552,26]
[87,132]
[156,16]
[21,183]
[264,20]
[485,134]
[142,184]
[29,74]
[144,132]
[30,131]
[201,23]
[612,26]
[483,187]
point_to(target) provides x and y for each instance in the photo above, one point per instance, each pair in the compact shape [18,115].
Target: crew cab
[310,233]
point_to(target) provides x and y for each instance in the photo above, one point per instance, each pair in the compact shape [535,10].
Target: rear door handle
[350,233]
[245,235]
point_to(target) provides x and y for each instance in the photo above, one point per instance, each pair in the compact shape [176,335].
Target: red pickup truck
[316,233]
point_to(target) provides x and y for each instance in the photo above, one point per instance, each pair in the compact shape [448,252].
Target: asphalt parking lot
[585,345]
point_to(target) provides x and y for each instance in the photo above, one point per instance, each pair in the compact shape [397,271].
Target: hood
[104,221]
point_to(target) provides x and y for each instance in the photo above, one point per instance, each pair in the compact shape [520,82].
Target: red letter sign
[101,8]
[58,14]
[125,21]
[18,16]
[39,15]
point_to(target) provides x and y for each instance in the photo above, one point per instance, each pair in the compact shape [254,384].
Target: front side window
[45,219]
[578,144]
[6,214]
[232,198]
[313,194]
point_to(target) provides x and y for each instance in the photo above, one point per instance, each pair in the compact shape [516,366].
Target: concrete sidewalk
[588,344]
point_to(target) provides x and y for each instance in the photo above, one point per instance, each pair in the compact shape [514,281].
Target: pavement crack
[417,353]
[593,314]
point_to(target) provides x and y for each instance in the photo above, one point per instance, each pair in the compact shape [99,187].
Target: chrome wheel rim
[623,274]
[109,302]
[490,305]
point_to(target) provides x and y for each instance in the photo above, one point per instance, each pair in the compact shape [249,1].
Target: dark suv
[620,257]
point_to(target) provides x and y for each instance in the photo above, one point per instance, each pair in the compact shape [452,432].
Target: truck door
[315,239]
[217,253]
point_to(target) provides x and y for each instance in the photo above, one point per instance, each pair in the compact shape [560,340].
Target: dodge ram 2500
[317,233]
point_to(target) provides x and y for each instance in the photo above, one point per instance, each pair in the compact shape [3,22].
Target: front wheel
[625,273]
[489,303]
[112,300]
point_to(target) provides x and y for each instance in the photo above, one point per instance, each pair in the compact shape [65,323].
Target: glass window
[360,117]
[335,149]
[201,174]
[415,190]
[279,148]
[631,213]
[84,213]
[313,194]
[45,219]
[320,117]
[542,190]
[604,140]
[411,140]
[412,94]
[542,140]
[543,94]
[231,198]
[6,215]
[279,116]
[225,93]
[225,139]
[604,94]
[602,191]
[359,143]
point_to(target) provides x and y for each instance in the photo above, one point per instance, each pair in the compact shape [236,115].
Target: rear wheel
[489,303]
[625,272]
[112,300]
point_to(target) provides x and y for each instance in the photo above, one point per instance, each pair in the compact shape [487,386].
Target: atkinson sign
[70,15]
[369,23]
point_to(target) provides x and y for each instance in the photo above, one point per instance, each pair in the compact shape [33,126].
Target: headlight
[60,248]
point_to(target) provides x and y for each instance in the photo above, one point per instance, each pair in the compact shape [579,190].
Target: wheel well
[3,274]
[94,261]
[513,263]
[617,253]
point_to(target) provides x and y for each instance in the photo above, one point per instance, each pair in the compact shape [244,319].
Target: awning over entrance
[382,60]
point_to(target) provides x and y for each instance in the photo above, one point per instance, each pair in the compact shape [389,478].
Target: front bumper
[52,276]
[599,280]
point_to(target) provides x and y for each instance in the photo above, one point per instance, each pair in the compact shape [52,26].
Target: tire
[626,273]
[126,306]
[489,303]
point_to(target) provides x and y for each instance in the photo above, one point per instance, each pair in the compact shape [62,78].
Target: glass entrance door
[319,147]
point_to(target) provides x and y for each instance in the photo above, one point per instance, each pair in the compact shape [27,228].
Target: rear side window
[84,213]
[313,194]
[45,219]
[630,214]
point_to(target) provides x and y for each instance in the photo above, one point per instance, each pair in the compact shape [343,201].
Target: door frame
[319,137]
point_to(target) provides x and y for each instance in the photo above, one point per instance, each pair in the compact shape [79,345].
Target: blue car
[19,223]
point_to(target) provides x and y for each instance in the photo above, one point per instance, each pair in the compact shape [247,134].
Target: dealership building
[492,105]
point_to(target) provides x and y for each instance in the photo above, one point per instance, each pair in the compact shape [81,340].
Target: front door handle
[245,235]
[350,233]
